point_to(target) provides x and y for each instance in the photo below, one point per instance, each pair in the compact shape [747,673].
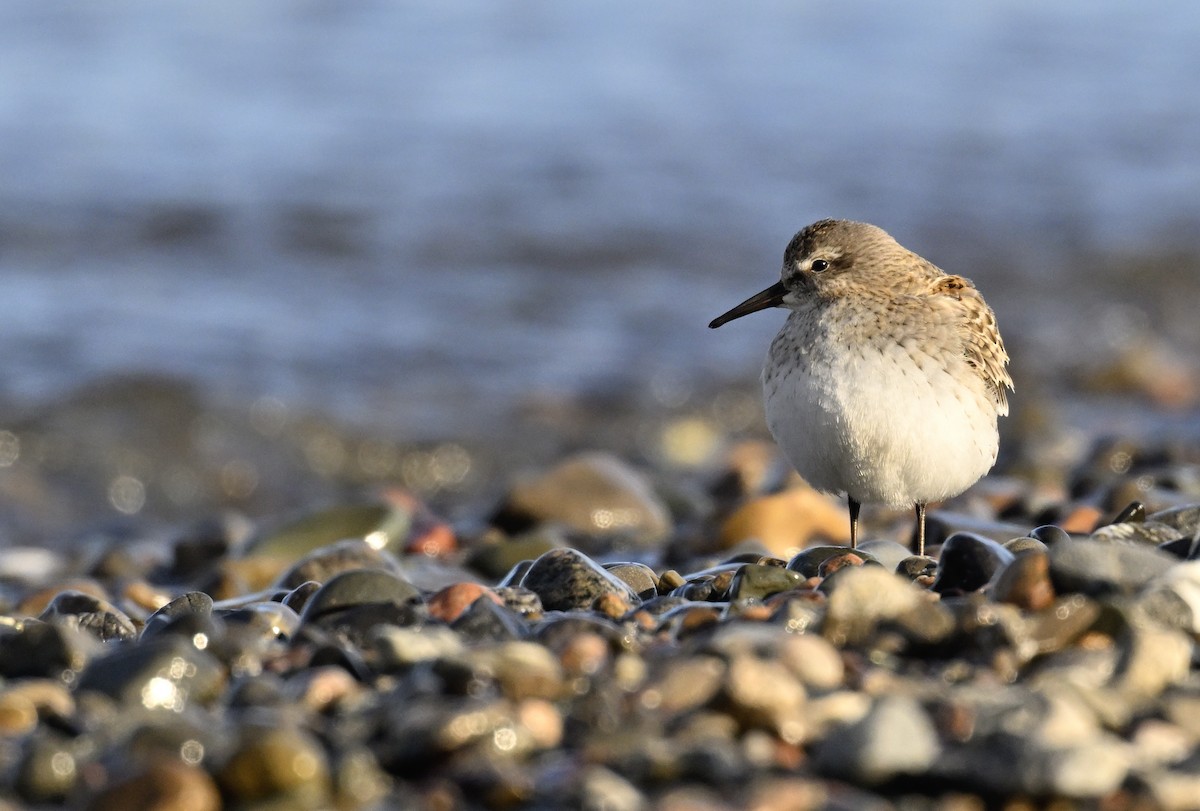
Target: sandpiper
[889,374]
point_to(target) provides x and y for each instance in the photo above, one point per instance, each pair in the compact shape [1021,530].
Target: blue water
[424,216]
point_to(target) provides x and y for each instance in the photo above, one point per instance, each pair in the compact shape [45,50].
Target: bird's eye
[819,265]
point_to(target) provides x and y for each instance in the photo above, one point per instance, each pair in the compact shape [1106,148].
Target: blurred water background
[433,225]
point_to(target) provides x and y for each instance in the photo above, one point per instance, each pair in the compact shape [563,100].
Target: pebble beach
[673,622]
[363,446]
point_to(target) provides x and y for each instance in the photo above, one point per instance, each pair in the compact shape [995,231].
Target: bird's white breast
[895,421]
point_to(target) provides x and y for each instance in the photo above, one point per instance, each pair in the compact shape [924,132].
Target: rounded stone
[356,588]
[593,493]
[638,576]
[526,670]
[277,764]
[163,784]
[567,580]
[817,663]
[165,672]
[1025,582]
[918,567]
[860,597]
[511,558]
[323,563]
[48,770]
[895,738]
[759,582]
[1049,534]
[808,562]
[765,693]
[487,622]
[967,562]
[449,603]
[1019,545]
[1100,568]
[786,521]
[96,616]
[191,604]
[39,649]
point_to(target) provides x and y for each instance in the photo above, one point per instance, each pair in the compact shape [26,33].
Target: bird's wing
[982,345]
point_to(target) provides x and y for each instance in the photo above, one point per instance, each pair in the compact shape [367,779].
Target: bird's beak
[771,297]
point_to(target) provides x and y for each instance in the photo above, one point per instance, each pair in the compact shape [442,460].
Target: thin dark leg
[921,529]
[854,508]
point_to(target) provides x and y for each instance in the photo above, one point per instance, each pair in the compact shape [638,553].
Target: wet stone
[808,562]
[99,618]
[165,673]
[161,784]
[392,648]
[449,603]
[638,576]
[48,770]
[323,563]
[510,558]
[848,558]
[565,579]
[521,600]
[298,598]
[191,604]
[917,567]
[358,588]
[1025,582]
[39,649]
[264,622]
[895,738]
[1049,534]
[1182,548]
[284,765]
[1104,567]
[1186,518]
[1174,600]
[759,582]
[967,562]
[860,597]
[1059,625]
[292,540]
[485,621]
[1147,532]
[597,494]
[1019,545]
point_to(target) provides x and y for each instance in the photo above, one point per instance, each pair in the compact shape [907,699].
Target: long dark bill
[771,297]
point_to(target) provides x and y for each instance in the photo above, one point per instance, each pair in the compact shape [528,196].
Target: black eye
[818,265]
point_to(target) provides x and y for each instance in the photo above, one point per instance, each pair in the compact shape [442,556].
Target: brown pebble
[670,580]
[584,654]
[437,541]
[145,596]
[1025,582]
[1082,519]
[786,522]
[449,603]
[18,715]
[543,720]
[756,613]
[163,785]
[831,565]
[612,606]
[323,687]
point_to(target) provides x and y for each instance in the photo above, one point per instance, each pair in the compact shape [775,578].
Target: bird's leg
[921,529]
[854,508]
